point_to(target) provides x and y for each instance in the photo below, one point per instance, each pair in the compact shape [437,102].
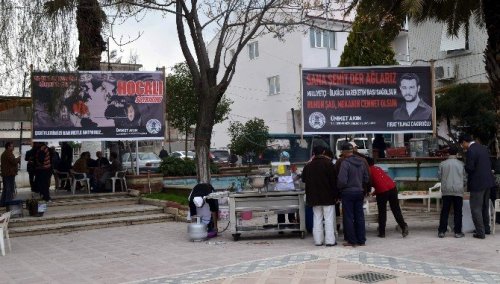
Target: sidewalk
[161,253]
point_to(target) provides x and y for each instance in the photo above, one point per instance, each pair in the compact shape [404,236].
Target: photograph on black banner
[59,106]
[413,107]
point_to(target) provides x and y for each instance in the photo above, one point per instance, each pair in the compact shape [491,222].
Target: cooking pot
[197,231]
[257,181]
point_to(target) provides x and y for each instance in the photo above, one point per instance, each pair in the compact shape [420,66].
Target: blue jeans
[354,217]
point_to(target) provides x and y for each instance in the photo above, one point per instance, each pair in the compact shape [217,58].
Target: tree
[182,105]
[373,31]
[237,23]
[464,105]
[250,138]
[89,22]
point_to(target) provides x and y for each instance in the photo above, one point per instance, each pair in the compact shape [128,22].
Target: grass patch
[168,196]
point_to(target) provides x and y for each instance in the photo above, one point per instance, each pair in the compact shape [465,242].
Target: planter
[143,182]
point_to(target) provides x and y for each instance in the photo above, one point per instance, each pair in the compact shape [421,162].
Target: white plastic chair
[4,231]
[497,209]
[119,176]
[81,178]
[434,192]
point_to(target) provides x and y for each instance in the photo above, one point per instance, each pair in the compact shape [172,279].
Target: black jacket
[319,177]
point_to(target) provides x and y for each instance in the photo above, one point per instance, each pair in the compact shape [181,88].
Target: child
[385,190]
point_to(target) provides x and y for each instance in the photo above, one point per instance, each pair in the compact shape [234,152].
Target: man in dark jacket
[8,169]
[352,174]
[479,182]
[321,193]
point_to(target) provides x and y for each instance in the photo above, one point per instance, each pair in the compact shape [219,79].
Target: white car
[148,161]
[361,142]
[182,154]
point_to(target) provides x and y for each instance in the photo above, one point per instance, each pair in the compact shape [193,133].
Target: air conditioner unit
[445,72]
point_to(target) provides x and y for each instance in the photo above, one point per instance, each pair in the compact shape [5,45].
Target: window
[253,50]
[274,85]
[319,38]
[455,43]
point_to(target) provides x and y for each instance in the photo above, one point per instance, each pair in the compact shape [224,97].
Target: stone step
[88,225]
[71,215]
[93,202]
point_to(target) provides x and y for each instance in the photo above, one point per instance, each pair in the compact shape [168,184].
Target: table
[424,195]
[266,202]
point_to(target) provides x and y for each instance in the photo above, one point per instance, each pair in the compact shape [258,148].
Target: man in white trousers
[321,194]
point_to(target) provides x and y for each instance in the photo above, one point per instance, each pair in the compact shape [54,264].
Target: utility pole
[329,64]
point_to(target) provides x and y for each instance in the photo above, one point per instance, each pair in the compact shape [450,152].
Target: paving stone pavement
[162,253]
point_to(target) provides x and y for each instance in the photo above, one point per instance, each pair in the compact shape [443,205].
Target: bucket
[246,215]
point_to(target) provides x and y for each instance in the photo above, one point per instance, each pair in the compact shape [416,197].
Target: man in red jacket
[385,190]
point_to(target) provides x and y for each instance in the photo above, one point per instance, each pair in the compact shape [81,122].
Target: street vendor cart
[265,203]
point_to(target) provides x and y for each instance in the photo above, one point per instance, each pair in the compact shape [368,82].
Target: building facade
[267,81]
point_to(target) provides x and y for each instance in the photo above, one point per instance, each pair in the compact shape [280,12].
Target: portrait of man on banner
[413,106]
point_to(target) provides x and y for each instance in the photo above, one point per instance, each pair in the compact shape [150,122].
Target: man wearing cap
[366,186]
[352,174]
[206,209]
[479,182]
[321,194]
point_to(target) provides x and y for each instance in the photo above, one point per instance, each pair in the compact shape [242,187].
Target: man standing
[30,165]
[163,153]
[451,173]
[43,171]
[413,108]
[322,193]
[352,174]
[9,166]
[479,182]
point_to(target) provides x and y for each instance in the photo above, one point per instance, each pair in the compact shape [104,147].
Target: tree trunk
[89,19]
[491,12]
[203,135]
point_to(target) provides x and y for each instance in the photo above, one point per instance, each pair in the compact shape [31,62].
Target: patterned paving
[430,269]
[378,261]
[231,270]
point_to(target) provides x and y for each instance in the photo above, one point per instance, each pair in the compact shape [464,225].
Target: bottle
[266,219]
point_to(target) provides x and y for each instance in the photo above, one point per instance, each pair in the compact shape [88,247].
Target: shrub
[173,166]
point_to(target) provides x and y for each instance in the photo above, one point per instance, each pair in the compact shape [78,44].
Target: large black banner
[98,106]
[392,99]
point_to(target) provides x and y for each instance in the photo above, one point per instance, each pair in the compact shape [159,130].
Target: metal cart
[266,202]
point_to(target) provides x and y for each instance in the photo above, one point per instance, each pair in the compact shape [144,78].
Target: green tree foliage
[468,108]
[375,26]
[182,102]
[250,137]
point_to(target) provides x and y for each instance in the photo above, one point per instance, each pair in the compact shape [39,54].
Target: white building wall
[425,42]
[249,87]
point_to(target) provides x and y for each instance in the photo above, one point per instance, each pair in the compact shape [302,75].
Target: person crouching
[206,209]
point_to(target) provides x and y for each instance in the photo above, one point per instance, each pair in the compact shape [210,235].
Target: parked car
[148,161]
[220,156]
[182,154]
